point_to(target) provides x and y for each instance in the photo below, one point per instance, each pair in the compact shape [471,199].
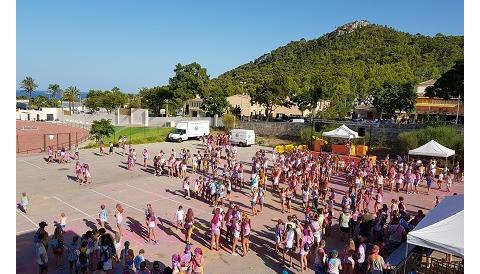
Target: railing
[63,139]
[417,263]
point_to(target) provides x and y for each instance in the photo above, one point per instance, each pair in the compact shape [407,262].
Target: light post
[458,110]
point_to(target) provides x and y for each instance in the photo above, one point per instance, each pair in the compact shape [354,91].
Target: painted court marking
[26,217]
[163,197]
[79,210]
[118,201]
[30,164]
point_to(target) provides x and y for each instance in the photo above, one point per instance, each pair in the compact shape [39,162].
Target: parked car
[297,120]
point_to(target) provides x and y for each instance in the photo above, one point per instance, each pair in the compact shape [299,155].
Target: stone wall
[277,129]
[162,121]
[284,129]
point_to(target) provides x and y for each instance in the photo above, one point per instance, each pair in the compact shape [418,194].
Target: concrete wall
[281,129]
[162,121]
[277,129]
[89,118]
[39,114]
[137,116]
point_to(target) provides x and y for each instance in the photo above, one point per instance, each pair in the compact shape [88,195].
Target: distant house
[426,106]
[251,110]
[420,87]
[192,108]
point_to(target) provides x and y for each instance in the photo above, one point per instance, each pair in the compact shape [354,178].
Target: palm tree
[54,90]
[70,94]
[29,85]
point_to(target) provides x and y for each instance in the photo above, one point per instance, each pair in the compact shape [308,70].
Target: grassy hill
[352,60]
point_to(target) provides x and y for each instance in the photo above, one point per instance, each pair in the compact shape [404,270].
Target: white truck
[189,129]
[242,137]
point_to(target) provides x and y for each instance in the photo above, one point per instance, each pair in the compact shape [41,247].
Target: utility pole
[458,110]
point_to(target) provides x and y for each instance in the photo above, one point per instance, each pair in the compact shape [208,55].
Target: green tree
[449,85]
[214,101]
[54,90]
[71,95]
[228,121]
[29,85]
[133,101]
[114,99]
[94,100]
[274,93]
[101,128]
[237,111]
[392,98]
[157,98]
[189,80]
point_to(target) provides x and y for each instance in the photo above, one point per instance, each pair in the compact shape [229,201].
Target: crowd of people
[370,227]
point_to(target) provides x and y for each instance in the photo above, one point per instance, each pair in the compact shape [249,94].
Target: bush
[228,120]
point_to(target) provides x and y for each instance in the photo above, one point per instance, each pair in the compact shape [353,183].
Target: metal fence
[40,139]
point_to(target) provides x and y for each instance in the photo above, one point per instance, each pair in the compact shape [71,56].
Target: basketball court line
[118,201]
[30,164]
[79,210]
[30,220]
[163,197]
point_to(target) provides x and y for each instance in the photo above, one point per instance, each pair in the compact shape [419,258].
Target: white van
[297,120]
[242,137]
[189,129]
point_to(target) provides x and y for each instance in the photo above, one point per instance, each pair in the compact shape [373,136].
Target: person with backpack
[320,258]
[41,254]
[41,230]
[82,258]
[58,245]
[139,259]
[72,254]
[107,251]
[306,242]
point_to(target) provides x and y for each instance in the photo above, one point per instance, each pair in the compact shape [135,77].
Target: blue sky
[133,44]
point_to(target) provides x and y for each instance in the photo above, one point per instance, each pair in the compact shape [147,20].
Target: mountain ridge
[358,56]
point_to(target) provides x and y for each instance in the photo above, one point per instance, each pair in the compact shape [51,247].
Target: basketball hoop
[50,136]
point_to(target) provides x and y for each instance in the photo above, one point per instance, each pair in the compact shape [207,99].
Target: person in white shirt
[180,216]
[361,266]
[288,242]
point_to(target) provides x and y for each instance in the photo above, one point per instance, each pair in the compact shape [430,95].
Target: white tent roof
[341,132]
[433,149]
[442,228]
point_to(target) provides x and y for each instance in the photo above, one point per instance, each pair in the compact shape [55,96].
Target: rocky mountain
[351,60]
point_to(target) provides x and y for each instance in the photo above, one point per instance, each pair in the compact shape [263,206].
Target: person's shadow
[21,208]
[137,228]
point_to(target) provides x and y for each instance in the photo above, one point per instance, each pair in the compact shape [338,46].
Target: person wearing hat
[41,230]
[334,265]
[376,264]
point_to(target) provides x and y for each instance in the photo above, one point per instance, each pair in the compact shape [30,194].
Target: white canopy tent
[341,132]
[442,228]
[433,149]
